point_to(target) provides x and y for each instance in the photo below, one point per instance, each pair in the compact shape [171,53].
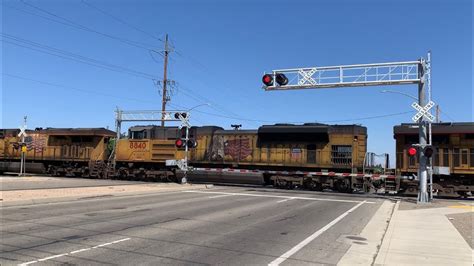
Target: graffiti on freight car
[36,142]
[238,149]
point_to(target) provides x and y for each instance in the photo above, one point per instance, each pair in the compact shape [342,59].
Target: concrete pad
[364,253]
[424,237]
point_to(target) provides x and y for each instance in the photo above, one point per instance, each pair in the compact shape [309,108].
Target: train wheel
[342,186]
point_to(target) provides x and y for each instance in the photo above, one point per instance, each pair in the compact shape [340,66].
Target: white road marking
[121,240]
[219,196]
[52,257]
[80,250]
[74,252]
[280,201]
[274,196]
[102,245]
[305,242]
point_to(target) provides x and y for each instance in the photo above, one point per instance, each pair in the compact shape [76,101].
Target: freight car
[284,154]
[453,159]
[58,151]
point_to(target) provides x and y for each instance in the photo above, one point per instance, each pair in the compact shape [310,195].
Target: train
[452,160]
[312,156]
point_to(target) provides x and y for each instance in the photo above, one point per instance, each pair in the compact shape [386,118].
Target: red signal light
[267,79]
[412,151]
[179,143]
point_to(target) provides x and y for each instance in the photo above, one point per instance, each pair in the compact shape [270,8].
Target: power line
[120,20]
[91,92]
[72,56]
[71,23]
[197,111]
[367,117]
[447,115]
[201,67]
[78,26]
[85,60]
[204,99]
[75,88]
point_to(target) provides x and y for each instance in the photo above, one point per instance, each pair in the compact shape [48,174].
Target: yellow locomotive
[308,147]
[58,151]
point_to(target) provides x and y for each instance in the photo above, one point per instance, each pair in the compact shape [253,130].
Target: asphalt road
[229,226]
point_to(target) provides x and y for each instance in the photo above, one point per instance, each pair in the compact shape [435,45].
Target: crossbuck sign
[22,132]
[423,111]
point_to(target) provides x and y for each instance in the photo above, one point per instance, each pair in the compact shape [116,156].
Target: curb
[386,237]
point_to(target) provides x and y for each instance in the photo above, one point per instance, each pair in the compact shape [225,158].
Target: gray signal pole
[22,134]
[423,137]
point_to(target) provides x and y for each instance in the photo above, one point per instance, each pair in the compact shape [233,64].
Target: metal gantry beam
[146,116]
[394,73]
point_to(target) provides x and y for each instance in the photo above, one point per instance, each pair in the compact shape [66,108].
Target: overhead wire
[81,59]
[72,56]
[120,20]
[238,118]
[143,46]
[75,25]
[197,111]
[75,88]
[94,92]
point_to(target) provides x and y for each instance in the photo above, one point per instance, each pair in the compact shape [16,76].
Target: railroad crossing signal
[280,79]
[423,111]
[393,73]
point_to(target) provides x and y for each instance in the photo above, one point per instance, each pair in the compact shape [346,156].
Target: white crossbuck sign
[306,77]
[22,132]
[423,111]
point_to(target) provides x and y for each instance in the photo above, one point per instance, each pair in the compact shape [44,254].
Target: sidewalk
[425,236]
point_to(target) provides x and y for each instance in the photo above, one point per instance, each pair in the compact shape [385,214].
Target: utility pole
[165,81]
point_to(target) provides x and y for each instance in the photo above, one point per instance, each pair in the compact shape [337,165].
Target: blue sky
[221,50]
